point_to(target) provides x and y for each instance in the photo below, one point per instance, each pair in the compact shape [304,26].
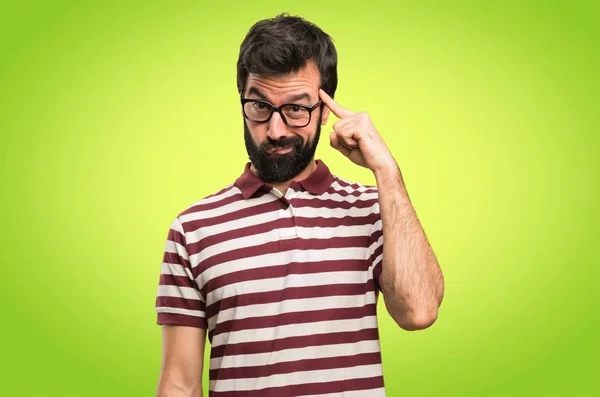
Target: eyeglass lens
[261,111]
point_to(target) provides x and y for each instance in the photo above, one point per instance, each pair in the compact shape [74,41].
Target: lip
[280,150]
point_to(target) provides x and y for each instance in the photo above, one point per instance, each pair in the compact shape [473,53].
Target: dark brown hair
[285,44]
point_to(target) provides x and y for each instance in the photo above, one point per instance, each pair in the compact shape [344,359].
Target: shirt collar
[316,183]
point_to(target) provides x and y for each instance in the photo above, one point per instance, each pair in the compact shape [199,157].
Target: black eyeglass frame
[274,109]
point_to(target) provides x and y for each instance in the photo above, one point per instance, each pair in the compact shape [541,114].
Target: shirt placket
[287,214]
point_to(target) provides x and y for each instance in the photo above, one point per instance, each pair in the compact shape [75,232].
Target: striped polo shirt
[286,286]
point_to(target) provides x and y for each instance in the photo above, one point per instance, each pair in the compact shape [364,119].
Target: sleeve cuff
[181,319]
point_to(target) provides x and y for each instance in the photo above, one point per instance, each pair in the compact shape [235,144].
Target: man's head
[284,61]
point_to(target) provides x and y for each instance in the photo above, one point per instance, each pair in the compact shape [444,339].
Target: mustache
[282,143]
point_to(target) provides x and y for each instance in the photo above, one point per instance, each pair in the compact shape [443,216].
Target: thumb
[335,143]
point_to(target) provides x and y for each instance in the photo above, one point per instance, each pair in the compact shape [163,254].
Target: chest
[289,258]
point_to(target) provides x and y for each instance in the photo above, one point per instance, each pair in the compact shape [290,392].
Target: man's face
[277,151]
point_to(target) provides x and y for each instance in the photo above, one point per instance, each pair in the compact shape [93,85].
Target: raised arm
[182,361]
[411,279]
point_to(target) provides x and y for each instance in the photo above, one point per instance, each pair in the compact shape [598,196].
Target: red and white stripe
[286,287]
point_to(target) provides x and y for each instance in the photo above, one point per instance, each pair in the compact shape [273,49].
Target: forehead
[306,80]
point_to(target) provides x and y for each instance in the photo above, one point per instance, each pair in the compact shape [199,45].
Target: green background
[115,116]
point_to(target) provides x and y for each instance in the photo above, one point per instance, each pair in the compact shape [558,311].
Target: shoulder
[210,205]
[359,199]
[346,187]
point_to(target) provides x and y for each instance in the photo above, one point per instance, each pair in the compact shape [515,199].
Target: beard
[273,167]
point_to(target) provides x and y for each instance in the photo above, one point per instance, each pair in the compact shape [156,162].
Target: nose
[277,128]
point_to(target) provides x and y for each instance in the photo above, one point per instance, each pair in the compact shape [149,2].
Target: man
[283,268]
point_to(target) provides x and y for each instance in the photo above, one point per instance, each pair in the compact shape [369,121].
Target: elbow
[178,392]
[411,314]
[170,388]
[416,321]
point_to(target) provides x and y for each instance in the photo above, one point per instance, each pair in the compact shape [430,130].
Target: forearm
[411,279]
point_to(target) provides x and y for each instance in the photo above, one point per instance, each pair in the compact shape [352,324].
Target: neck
[283,186]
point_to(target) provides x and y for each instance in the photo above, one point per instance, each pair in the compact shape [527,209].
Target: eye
[260,105]
[295,108]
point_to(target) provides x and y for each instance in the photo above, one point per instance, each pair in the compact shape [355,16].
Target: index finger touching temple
[338,110]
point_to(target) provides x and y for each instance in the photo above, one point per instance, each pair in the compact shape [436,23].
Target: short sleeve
[178,300]
[376,247]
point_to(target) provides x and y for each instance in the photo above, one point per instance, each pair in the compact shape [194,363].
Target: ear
[325,115]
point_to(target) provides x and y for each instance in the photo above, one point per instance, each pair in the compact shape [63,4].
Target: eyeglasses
[296,116]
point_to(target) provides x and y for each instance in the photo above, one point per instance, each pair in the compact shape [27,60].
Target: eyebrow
[257,92]
[298,97]
[291,99]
